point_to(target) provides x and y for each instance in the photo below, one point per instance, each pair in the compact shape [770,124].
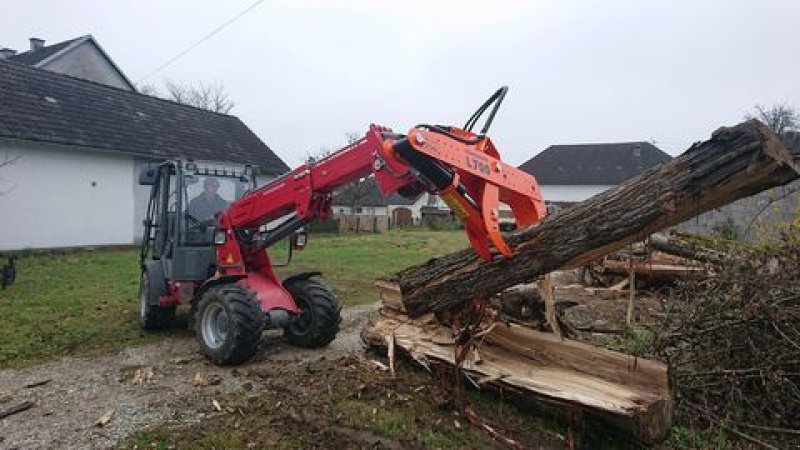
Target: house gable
[81,57]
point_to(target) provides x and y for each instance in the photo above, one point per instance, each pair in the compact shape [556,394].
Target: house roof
[593,164]
[367,193]
[34,57]
[40,57]
[39,105]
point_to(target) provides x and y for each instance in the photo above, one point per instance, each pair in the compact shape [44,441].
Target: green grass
[69,303]
[351,263]
[85,301]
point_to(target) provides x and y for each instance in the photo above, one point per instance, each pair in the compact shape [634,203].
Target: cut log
[678,247]
[630,394]
[736,162]
[650,269]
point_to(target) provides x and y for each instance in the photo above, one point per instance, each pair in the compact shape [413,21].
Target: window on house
[432,200]
[359,210]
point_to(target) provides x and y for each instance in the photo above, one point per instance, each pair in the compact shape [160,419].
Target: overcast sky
[304,73]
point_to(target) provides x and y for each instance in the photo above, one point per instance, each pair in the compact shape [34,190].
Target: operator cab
[185,202]
[205,196]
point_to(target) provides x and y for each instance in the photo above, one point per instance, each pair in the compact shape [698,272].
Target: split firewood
[632,395]
[105,418]
[201,379]
[143,375]
[736,162]
[547,293]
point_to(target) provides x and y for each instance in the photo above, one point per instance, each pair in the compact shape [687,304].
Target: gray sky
[305,72]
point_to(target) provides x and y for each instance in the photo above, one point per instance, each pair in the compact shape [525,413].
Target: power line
[203,39]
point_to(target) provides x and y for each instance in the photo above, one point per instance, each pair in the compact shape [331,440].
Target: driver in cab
[206,205]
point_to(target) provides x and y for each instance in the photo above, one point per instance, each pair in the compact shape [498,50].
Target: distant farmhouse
[573,173]
[366,199]
[74,134]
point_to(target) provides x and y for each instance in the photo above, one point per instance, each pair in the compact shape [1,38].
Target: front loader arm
[462,167]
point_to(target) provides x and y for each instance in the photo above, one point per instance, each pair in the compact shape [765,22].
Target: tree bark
[736,162]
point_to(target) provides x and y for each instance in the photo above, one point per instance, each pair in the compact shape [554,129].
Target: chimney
[36,43]
[7,53]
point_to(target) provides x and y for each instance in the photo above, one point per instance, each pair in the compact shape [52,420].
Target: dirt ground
[166,395]
[182,387]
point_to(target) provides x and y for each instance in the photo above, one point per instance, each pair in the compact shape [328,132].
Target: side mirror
[299,239]
[147,176]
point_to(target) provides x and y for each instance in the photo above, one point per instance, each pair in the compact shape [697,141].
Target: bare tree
[147,89]
[210,96]
[356,192]
[779,118]
[361,189]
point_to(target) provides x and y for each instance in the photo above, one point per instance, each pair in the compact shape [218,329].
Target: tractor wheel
[152,317]
[228,324]
[318,323]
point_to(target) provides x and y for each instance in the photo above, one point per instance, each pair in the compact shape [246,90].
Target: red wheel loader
[199,249]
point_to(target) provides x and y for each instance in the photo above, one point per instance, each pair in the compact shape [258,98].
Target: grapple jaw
[465,170]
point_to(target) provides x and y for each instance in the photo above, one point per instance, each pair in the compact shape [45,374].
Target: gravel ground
[143,386]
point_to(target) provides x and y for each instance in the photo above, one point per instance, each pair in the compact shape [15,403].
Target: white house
[366,199]
[74,147]
[573,173]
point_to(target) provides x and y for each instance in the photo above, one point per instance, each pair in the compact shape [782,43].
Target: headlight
[219,237]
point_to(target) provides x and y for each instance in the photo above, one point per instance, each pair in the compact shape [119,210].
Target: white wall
[85,61]
[564,193]
[365,210]
[62,196]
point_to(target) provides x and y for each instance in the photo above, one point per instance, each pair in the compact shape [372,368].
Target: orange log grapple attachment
[465,170]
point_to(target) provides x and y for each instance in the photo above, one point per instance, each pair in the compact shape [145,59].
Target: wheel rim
[214,325]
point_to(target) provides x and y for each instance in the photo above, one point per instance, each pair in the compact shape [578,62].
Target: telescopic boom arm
[462,167]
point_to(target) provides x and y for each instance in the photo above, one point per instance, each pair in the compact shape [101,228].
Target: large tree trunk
[631,395]
[736,162]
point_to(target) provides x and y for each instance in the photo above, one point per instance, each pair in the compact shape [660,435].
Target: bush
[323,226]
[436,223]
[728,229]
[732,340]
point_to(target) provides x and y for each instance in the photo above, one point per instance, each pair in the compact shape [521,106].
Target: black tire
[152,317]
[319,322]
[228,324]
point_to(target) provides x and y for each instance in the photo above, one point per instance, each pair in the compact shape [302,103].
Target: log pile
[630,394]
[424,306]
